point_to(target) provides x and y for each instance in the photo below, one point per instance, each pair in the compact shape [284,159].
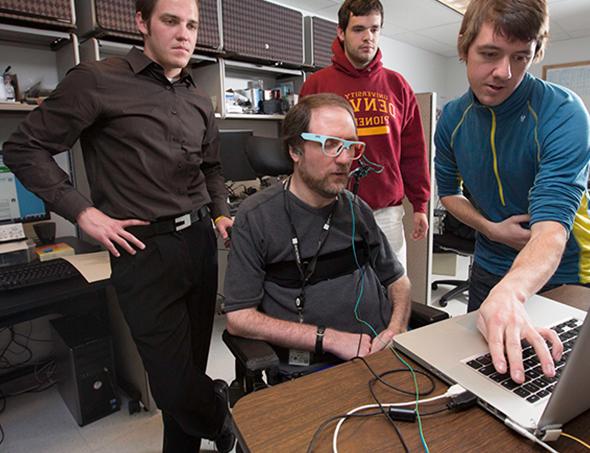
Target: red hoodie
[388,120]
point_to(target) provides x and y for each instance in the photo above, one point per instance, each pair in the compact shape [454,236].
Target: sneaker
[225,439]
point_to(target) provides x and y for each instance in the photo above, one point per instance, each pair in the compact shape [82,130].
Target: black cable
[388,418]
[25,349]
[435,412]
[3,399]
[400,370]
[325,423]
[11,330]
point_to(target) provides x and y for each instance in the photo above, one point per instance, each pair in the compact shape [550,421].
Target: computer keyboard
[36,273]
[536,385]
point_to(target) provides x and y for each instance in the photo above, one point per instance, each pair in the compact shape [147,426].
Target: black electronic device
[85,367]
[36,273]
[233,158]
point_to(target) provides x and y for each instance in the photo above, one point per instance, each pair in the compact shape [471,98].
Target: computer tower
[84,367]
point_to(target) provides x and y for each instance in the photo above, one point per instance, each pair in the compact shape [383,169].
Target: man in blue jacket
[521,147]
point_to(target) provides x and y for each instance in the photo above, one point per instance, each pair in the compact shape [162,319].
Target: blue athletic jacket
[530,155]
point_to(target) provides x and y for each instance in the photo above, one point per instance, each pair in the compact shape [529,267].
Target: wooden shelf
[16,107]
[253,116]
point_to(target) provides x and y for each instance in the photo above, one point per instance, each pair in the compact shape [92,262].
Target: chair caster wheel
[443,302]
[434,286]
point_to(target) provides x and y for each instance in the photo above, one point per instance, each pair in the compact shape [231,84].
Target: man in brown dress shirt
[151,150]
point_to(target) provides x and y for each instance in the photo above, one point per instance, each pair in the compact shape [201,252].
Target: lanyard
[306,269]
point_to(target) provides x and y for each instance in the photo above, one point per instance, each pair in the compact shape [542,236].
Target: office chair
[456,238]
[267,157]
[255,357]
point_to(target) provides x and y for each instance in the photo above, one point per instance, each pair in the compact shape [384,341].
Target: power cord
[574,438]
[452,392]
[523,432]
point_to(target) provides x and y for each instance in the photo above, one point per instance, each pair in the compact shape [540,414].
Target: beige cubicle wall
[419,253]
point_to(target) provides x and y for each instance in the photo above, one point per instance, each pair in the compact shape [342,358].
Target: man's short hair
[358,8]
[297,119]
[146,8]
[522,20]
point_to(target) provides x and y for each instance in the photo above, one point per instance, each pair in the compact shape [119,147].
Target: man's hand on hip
[504,322]
[109,231]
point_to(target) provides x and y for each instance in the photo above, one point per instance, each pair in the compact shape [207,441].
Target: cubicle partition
[419,253]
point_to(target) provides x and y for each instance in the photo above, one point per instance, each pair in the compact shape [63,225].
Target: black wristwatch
[319,340]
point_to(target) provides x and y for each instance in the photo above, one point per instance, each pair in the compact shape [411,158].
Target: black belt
[170,225]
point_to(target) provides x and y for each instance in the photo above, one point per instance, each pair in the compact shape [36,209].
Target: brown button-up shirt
[151,147]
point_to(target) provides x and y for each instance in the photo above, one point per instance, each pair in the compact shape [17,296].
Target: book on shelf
[52,251]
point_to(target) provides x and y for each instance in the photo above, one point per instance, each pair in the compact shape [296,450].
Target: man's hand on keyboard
[109,231]
[504,322]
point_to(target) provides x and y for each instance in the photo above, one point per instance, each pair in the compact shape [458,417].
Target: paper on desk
[93,266]
[9,247]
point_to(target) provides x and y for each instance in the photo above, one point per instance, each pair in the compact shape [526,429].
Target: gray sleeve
[244,277]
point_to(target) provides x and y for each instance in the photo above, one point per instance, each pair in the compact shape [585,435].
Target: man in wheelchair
[309,271]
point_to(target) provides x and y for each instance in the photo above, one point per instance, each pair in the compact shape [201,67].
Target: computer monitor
[233,155]
[17,204]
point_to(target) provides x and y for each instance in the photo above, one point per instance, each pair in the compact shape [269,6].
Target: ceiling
[429,25]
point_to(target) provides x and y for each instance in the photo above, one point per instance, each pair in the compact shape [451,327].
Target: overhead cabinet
[55,14]
[319,36]
[262,31]
[115,19]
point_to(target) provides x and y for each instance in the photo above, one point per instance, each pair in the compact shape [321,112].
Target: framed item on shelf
[9,91]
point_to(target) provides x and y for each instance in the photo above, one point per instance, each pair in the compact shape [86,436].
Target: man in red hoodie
[387,117]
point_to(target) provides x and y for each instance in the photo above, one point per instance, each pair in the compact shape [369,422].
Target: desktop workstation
[30,289]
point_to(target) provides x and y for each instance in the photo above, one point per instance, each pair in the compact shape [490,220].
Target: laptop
[456,352]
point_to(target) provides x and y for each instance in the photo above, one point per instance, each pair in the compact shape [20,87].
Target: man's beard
[322,186]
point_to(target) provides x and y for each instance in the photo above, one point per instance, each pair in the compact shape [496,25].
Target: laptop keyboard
[536,386]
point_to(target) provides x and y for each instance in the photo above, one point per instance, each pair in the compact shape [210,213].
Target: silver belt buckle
[182,222]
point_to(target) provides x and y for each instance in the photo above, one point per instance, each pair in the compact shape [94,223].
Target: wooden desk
[284,418]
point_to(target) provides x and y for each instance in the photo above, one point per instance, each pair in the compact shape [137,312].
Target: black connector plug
[462,401]
[399,414]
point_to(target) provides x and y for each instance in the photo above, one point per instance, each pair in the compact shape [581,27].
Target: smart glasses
[333,146]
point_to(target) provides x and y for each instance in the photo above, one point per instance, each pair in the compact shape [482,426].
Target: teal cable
[362,282]
[408,366]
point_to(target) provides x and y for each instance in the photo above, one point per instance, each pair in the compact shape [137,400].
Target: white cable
[523,432]
[451,392]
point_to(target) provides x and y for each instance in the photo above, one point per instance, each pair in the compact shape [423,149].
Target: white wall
[567,51]
[564,52]
[419,67]
[422,69]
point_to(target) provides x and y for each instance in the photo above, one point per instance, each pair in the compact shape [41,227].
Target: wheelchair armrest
[253,355]
[422,315]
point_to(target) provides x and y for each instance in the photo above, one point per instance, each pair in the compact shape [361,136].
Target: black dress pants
[167,294]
